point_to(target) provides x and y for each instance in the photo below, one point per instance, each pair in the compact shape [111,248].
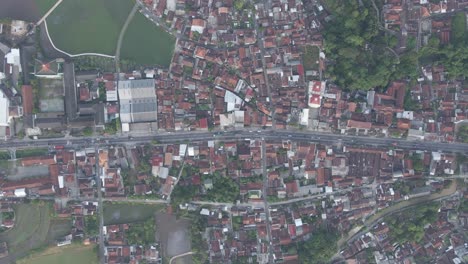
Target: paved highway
[276,135]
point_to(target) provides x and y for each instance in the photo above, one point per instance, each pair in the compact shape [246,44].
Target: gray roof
[141,83]
[49,122]
[138,102]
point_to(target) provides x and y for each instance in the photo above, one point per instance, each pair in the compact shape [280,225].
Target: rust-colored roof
[28,104]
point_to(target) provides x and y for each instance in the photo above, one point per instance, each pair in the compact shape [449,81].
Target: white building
[4,110]
[13,58]
[20,192]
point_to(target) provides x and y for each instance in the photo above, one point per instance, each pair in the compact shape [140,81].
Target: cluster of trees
[453,56]
[463,207]
[102,92]
[319,248]
[199,246]
[113,126]
[87,131]
[417,162]
[409,226]
[141,233]
[402,186]
[8,215]
[86,63]
[241,5]
[362,54]
[463,133]
[183,194]
[225,189]
[91,225]
[459,33]
[358,49]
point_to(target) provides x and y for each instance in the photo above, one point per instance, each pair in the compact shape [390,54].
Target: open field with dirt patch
[311,58]
[72,254]
[174,235]
[119,213]
[51,93]
[34,228]
[88,25]
[147,44]
[27,10]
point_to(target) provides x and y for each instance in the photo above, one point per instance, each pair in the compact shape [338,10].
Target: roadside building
[138,101]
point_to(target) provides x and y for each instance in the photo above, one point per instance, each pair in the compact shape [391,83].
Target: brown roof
[42,160]
[28,183]
[359,124]
[27,94]
[54,173]
[198,22]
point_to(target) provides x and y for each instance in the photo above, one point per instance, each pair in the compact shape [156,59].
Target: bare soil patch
[174,235]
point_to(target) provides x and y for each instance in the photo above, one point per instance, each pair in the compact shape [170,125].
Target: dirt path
[180,256]
[121,35]
[43,18]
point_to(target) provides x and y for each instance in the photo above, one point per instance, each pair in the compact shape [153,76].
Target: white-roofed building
[13,58]
[298,222]
[233,102]
[4,110]
[20,192]
[138,101]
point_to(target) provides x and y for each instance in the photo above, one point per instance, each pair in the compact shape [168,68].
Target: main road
[274,135]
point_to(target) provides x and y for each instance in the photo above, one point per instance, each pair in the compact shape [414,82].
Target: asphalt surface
[265,202]
[275,135]
[100,208]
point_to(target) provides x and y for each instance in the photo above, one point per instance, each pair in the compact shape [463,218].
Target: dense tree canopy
[360,52]
[224,190]
[91,225]
[463,133]
[409,226]
[141,233]
[319,248]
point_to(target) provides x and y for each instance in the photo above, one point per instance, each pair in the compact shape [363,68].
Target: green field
[72,254]
[310,58]
[45,5]
[119,213]
[147,44]
[34,228]
[23,153]
[4,155]
[88,25]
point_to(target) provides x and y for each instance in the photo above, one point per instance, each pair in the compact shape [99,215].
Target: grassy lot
[85,63]
[23,153]
[34,228]
[88,25]
[147,44]
[4,155]
[119,213]
[30,230]
[72,254]
[310,58]
[45,5]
